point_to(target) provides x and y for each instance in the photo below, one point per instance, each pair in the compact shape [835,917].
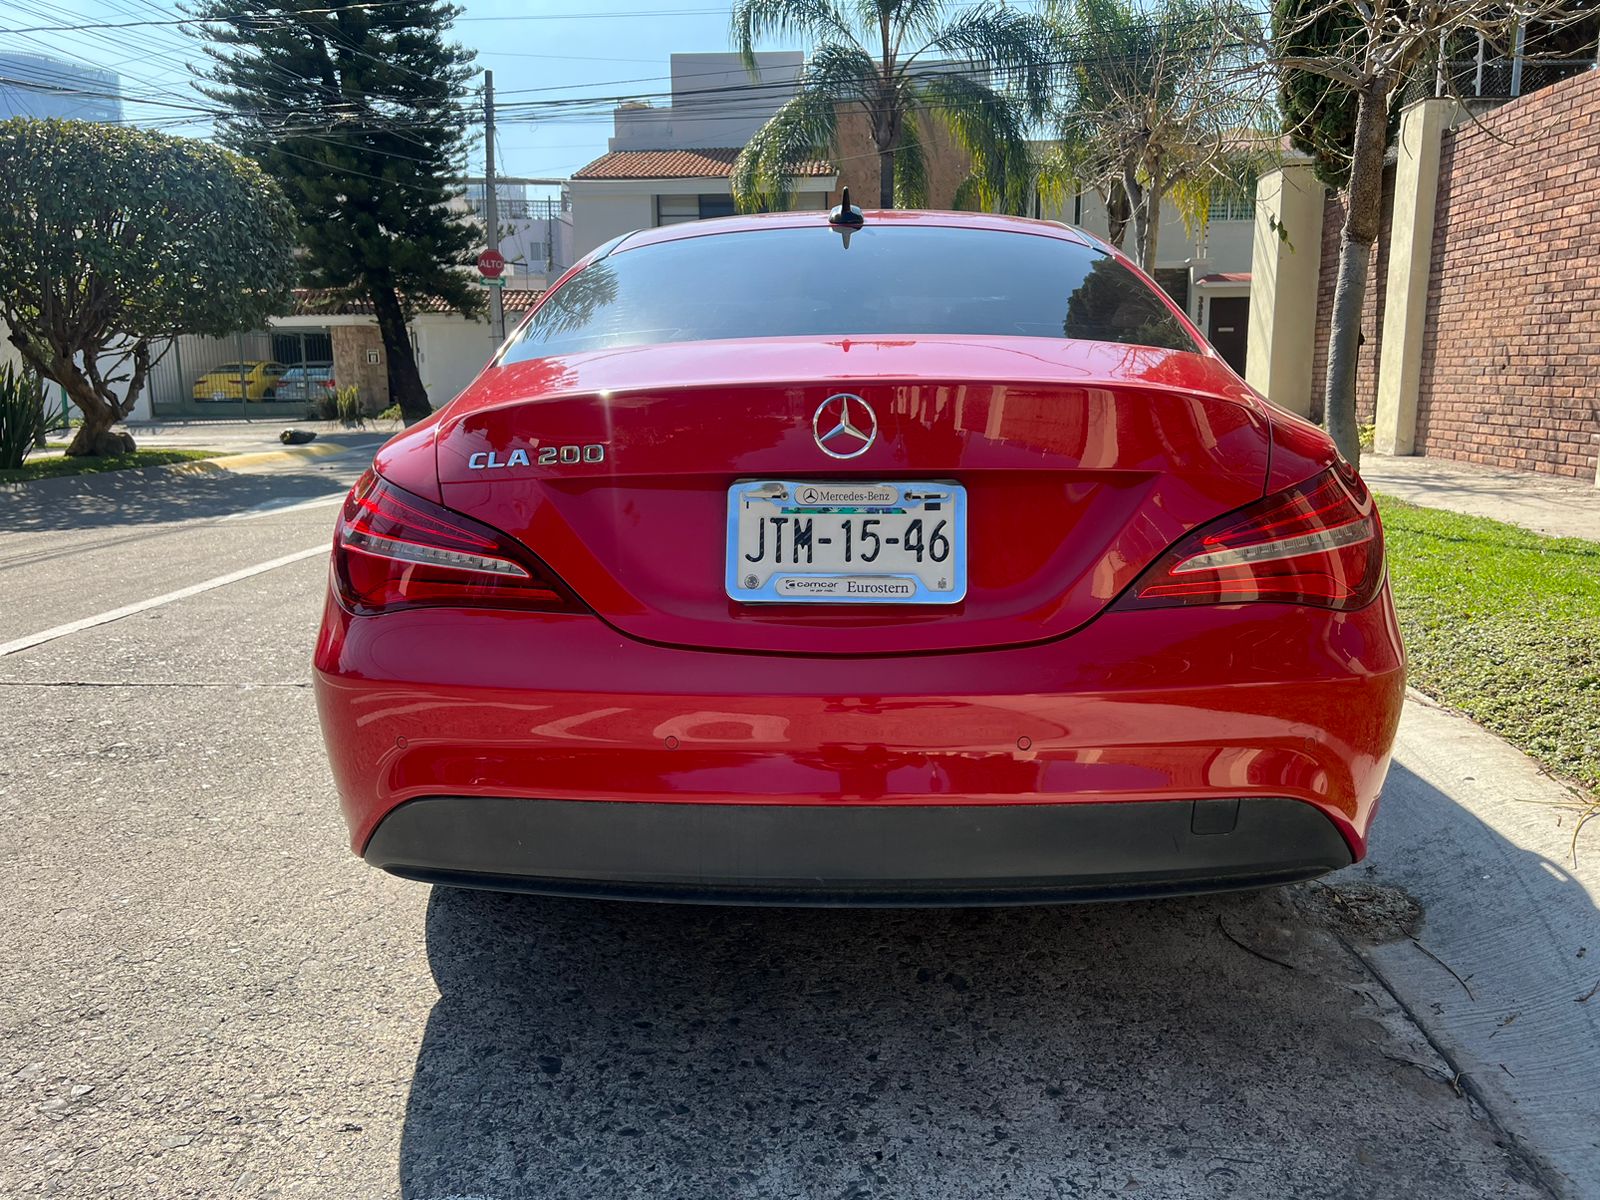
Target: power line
[376,5]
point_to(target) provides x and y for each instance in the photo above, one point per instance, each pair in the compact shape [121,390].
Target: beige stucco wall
[1285,261]
[1416,193]
[451,350]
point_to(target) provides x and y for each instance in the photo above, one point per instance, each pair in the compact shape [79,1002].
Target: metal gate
[235,377]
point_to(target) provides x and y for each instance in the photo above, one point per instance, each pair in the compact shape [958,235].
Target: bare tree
[1371,48]
[1159,106]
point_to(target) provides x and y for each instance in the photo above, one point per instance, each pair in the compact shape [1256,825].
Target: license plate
[808,542]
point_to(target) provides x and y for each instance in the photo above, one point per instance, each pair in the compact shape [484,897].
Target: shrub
[347,403]
[21,416]
[392,413]
[325,407]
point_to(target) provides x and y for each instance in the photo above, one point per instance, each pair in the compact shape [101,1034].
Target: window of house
[672,210]
[1233,202]
[716,206]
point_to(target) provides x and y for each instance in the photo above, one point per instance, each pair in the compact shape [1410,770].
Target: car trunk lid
[1082,462]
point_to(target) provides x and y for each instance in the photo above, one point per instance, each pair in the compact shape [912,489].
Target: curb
[224,464]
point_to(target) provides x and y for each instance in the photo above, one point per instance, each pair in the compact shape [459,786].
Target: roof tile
[714,163]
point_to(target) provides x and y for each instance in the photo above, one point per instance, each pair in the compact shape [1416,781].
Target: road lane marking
[282,505]
[128,610]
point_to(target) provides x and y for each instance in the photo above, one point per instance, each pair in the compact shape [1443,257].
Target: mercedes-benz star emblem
[844,426]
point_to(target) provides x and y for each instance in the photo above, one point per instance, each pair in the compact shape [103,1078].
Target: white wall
[604,208]
[451,350]
[1229,245]
[601,211]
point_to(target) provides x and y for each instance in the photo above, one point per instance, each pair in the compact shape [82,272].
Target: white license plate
[809,542]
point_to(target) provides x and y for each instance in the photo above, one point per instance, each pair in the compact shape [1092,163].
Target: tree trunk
[1136,210]
[886,178]
[1152,230]
[94,401]
[1117,216]
[99,415]
[405,381]
[1363,215]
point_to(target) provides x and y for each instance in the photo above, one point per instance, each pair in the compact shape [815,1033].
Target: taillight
[1317,543]
[395,550]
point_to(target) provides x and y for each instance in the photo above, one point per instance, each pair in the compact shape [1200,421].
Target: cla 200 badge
[547,456]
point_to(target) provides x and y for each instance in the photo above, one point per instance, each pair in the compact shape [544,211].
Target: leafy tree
[1157,107]
[358,109]
[1320,114]
[114,241]
[908,65]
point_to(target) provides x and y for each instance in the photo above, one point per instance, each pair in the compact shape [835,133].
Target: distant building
[672,163]
[535,231]
[38,85]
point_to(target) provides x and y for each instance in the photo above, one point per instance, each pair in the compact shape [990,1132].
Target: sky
[537,49]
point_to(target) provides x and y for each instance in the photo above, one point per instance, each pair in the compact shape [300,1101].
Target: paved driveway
[207,995]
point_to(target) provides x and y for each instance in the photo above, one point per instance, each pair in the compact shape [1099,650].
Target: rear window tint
[805,282]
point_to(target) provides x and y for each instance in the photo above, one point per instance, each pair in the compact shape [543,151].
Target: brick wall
[1371,312]
[1511,366]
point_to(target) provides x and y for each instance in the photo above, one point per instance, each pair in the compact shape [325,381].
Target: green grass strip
[57,465]
[1504,625]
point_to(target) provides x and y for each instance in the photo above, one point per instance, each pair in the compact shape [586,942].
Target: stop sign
[491,264]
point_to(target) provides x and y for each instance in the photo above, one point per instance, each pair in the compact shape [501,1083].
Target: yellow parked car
[255,380]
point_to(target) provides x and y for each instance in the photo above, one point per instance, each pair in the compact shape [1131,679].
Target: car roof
[873,216]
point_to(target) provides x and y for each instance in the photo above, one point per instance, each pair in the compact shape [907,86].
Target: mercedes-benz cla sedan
[878,558]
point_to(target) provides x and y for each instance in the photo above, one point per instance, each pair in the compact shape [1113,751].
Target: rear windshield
[806,282]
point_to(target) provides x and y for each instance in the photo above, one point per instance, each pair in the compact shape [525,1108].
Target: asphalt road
[207,995]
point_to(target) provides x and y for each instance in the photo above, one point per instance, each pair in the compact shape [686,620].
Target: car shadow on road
[1195,1047]
[115,498]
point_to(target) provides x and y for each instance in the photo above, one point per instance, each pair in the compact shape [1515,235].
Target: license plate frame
[900,501]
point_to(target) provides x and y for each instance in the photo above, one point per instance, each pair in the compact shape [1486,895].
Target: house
[673,162]
[328,326]
[642,189]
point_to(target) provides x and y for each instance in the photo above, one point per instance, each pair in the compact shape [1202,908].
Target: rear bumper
[493,718]
[854,854]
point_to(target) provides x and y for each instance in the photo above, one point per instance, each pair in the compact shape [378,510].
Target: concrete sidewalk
[1543,503]
[1503,970]
[240,436]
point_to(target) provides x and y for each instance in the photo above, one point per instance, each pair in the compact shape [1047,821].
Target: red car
[877,558]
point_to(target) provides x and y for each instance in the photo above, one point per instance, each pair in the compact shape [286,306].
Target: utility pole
[491,210]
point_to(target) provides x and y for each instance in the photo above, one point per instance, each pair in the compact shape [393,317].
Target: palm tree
[982,74]
[1159,104]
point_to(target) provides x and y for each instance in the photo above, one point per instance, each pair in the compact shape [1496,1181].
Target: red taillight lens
[1318,543]
[394,550]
